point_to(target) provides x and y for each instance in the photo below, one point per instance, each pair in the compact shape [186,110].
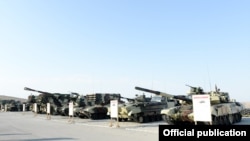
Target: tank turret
[195,90]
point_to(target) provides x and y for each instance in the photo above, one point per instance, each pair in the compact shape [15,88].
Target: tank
[56,100]
[97,105]
[144,109]
[223,110]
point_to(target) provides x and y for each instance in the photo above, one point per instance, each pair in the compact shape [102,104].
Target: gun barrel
[190,86]
[148,90]
[29,89]
[183,98]
[130,99]
[154,92]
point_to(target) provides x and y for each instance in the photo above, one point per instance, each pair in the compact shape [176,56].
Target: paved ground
[16,126]
[20,126]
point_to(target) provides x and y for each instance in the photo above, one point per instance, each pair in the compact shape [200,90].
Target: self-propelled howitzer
[56,100]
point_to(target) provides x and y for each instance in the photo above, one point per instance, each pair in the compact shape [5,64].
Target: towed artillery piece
[143,109]
[56,100]
[96,105]
[223,110]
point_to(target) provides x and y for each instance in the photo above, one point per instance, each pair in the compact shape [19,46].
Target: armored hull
[94,112]
[222,114]
[97,105]
[141,111]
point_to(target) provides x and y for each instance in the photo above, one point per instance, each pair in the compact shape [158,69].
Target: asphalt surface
[26,126]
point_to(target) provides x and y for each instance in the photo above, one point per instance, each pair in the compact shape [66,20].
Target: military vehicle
[144,109]
[97,105]
[223,110]
[30,101]
[121,104]
[78,104]
[132,105]
[56,101]
[10,105]
[246,112]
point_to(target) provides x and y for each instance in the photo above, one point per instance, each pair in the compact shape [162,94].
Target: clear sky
[111,46]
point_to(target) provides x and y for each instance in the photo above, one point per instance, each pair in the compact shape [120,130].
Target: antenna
[152,80]
[209,79]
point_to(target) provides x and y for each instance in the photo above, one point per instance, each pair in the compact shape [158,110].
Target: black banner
[201,132]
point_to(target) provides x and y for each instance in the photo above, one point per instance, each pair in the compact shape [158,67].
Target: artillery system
[56,100]
[10,105]
[97,105]
[78,103]
[223,110]
[30,102]
[143,109]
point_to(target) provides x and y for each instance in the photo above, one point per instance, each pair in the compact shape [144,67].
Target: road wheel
[169,120]
[94,116]
[226,120]
[146,119]
[215,120]
[230,119]
[140,119]
[153,118]
[158,117]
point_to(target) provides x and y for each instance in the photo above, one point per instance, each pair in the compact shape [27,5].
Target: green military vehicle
[97,105]
[223,110]
[143,109]
[56,100]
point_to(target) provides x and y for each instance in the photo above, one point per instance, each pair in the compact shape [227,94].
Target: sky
[112,46]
